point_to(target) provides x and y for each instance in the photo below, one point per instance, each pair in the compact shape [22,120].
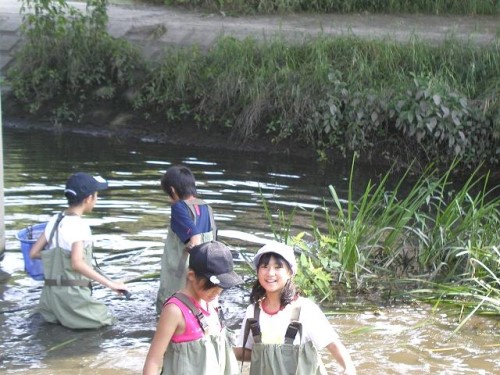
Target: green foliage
[444,123]
[313,281]
[440,233]
[69,58]
[343,94]
[471,7]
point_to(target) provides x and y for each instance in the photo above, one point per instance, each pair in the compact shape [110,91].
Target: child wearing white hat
[282,332]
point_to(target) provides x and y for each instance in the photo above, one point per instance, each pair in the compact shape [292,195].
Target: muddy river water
[129,225]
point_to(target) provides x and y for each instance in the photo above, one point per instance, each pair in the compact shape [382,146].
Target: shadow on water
[129,225]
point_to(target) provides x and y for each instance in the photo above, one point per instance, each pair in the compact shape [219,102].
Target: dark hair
[289,292]
[75,201]
[181,179]
[208,284]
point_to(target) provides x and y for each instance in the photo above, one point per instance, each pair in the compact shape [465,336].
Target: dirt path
[155,27]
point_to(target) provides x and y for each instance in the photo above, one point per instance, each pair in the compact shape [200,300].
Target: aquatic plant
[435,241]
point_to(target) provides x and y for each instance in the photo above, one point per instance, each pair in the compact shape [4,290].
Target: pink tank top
[193,330]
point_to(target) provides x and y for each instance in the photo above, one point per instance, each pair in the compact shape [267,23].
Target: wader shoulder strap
[294,326]
[59,281]
[55,227]
[212,222]
[252,324]
[191,203]
[202,321]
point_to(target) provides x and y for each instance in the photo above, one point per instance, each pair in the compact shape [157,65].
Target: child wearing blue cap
[282,332]
[66,252]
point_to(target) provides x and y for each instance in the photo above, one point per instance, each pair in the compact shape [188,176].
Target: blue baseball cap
[80,185]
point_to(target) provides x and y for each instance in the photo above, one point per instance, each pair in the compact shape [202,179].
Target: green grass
[437,241]
[340,95]
[442,7]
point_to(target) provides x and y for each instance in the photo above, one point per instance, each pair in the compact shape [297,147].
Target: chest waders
[175,258]
[210,355]
[66,294]
[282,359]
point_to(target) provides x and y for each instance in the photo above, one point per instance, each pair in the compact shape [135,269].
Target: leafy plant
[69,57]
[443,122]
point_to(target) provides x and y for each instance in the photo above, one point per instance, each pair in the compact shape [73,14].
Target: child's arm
[79,265]
[170,318]
[238,352]
[340,353]
[193,241]
[37,247]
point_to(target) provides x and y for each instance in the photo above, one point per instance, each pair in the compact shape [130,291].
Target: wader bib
[210,355]
[66,295]
[175,258]
[286,358]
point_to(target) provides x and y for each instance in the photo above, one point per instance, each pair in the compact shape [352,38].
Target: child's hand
[119,287]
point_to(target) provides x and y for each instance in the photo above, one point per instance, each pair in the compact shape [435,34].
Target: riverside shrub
[469,7]
[69,58]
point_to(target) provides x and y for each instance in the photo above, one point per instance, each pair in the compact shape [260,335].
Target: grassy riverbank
[342,95]
[469,7]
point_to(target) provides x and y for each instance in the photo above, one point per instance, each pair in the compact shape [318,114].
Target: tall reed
[437,239]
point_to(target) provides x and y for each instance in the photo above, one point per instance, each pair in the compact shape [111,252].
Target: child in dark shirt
[191,223]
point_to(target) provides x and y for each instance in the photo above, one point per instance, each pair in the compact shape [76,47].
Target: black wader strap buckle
[291,332]
[294,326]
[255,328]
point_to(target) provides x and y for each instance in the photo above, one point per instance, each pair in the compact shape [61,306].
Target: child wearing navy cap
[190,339]
[66,252]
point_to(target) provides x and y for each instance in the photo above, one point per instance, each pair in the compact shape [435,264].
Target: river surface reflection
[129,224]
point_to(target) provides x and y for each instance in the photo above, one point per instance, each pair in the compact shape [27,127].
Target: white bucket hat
[277,248]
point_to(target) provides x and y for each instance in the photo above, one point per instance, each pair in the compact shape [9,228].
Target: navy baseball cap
[80,185]
[214,261]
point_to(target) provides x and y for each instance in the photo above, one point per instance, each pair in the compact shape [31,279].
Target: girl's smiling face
[273,273]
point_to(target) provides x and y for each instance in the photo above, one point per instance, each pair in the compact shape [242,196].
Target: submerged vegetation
[438,241]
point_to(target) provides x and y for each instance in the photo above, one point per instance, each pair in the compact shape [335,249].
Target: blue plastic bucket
[27,237]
